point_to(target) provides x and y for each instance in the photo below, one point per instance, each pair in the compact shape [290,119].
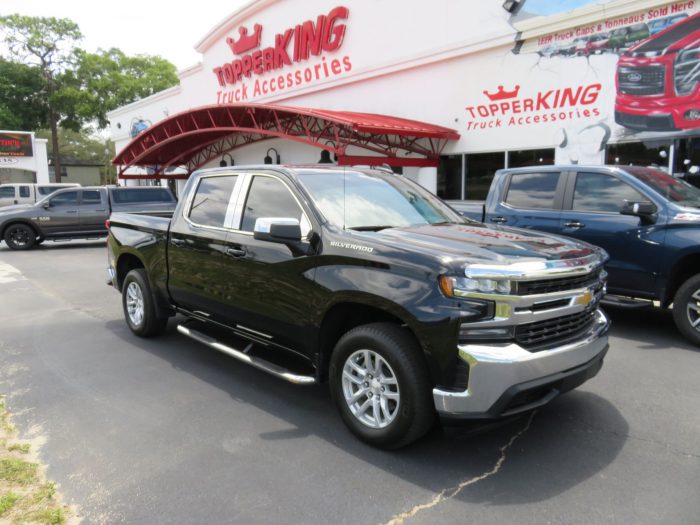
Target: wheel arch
[26,222]
[683,269]
[125,263]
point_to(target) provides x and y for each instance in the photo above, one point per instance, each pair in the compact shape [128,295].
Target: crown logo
[501,94]
[246,42]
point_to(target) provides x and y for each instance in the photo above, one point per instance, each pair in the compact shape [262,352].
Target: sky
[136,27]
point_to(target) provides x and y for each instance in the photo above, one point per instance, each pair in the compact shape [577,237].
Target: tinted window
[7,191]
[211,200]
[268,197]
[599,192]
[129,195]
[67,198]
[532,190]
[91,197]
[24,191]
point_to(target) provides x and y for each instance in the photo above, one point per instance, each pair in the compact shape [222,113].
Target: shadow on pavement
[569,441]
[60,245]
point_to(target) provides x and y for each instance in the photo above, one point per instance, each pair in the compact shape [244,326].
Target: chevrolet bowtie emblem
[585,299]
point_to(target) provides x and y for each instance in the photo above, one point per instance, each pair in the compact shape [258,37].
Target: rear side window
[7,191]
[532,190]
[602,193]
[24,191]
[91,197]
[140,195]
[269,197]
[211,201]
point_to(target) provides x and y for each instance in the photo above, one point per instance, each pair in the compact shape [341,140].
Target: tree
[106,80]
[22,106]
[49,44]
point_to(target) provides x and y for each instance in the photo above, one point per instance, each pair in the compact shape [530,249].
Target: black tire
[148,324]
[20,237]
[414,410]
[684,309]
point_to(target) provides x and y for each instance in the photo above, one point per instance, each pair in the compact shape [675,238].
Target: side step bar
[242,355]
[626,302]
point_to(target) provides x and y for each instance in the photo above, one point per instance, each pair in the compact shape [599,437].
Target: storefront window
[481,168]
[531,157]
[654,153]
[449,177]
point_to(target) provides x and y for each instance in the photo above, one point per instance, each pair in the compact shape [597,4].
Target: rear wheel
[686,309]
[139,310]
[20,237]
[380,384]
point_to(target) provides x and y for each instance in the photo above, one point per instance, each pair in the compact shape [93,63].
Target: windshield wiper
[370,228]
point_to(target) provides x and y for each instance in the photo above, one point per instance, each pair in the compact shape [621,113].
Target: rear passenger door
[531,199]
[592,213]
[93,211]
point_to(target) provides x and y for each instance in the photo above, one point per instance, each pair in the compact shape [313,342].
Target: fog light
[502,332]
[693,114]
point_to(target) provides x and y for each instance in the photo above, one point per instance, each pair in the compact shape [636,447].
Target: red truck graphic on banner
[658,80]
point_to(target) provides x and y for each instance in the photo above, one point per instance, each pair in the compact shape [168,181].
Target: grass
[25,496]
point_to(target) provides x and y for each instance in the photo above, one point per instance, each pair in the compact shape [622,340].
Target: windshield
[374,201]
[675,190]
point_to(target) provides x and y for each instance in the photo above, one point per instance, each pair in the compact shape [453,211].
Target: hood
[481,243]
[15,207]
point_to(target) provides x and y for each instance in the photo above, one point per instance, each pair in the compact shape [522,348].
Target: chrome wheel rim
[134,303]
[370,389]
[692,310]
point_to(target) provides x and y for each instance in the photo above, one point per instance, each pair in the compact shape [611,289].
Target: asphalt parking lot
[167,431]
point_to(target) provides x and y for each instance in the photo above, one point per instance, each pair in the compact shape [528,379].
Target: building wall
[9,175]
[83,175]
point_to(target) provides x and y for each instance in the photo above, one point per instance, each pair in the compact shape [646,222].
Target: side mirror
[46,205]
[645,210]
[277,229]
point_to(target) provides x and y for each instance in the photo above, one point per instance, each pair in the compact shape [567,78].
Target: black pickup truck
[78,213]
[363,279]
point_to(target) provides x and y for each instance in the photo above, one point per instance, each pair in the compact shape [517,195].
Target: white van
[26,193]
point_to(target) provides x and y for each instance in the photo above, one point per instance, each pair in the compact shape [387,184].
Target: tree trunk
[54,147]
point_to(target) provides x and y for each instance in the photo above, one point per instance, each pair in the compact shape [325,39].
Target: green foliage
[7,501]
[17,471]
[19,447]
[22,97]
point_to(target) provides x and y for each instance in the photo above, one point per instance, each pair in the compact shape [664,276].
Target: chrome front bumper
[498,372]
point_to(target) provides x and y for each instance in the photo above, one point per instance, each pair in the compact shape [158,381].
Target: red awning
[195,137]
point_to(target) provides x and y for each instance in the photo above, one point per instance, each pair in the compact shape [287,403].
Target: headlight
[465,287]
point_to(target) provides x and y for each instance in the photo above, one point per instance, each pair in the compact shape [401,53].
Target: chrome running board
[245,357]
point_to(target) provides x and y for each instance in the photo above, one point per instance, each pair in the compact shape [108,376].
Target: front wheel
[686,309]
[20,237]
[139,310]
[380,384]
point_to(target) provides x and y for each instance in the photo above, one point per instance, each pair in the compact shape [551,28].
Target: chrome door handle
[235,252]
[177,242]
[498,220]
[574,224]
[71,211]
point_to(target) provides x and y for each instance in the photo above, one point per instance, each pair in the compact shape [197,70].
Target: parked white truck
[28,193]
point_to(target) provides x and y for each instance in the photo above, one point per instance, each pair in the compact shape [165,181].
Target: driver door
[62,216]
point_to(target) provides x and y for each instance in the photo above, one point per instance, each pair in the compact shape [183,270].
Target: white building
[519,83]
[23,158]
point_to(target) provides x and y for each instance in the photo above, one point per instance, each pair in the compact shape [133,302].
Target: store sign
[504,108]
[8,161]
[294,47]
[16,145]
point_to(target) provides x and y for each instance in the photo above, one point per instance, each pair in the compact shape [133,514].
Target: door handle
[498,220]
[71,211]
[177,242]
[574,224]
[235,252]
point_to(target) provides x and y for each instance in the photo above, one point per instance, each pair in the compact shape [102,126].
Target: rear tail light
[107,224]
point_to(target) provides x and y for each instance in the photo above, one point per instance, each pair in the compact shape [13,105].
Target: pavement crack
[452,492]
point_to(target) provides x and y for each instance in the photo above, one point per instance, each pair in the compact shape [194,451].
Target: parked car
[597,44]
[77,213]
[656,26]
[647,220]
[567,49]
[28,193]
[364,279]
[625,37]
[657,81]
[581,45]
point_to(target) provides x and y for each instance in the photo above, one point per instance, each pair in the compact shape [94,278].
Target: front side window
[7,191]
[211,200]
[533,190]
[602,193]
[374,201]
[270,197]
[67,198]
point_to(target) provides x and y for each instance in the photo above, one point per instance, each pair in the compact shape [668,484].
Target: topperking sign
[295,57]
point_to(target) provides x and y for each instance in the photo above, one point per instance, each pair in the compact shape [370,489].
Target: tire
[20,237]
[402,386]
[686,309]
[139,310]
